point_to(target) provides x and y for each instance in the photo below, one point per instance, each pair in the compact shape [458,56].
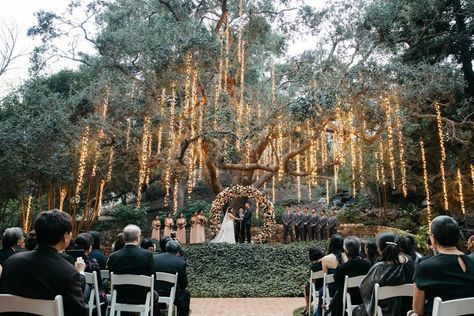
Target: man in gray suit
[332,224]
[299,224]
[314,232]
[323,220]
[307,224]
[288,223]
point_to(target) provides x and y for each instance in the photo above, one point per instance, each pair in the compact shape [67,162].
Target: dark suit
[314,227]
[170,263]
[288,222]
[323,220]
[353,267]
[131,259]
[5,253]
[246,223]
[43,274]
[299,226]
[307,226]
[332,225]
[98,255]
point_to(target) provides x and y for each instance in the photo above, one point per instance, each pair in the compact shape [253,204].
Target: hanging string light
[460,191]
[148,153]
[82,163]
[273,190]
[401,147]
[361,167]
[472,177]
[109,165]
[242,83]
[443,155]
[353,153]
[26,223]
[377,166]
[298,179]
[159,139]
[388,112]
[142,158]
[62,196]
[382,163]
[95,145]
[127,135]
[327,192]
[227,49]
[100,196]
[218,86]
[175,196]
[425,180]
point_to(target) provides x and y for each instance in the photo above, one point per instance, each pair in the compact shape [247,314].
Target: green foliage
[194,206]
[127,214]
[349,215]
[10,214]
[247,270]
[421,238]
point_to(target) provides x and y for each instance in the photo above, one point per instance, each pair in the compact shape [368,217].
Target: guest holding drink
[169,223]
[181,231]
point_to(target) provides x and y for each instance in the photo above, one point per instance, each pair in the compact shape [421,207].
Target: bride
[226,233]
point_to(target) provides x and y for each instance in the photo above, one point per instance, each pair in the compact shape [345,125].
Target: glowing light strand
[82,163]
[26,223]
[443,155]
[391,157]
[142,159]
[425,181]
[401,148]
[460,191]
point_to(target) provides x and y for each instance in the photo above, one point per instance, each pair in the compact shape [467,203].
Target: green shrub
[248,270]
[127,214]
[349,215]
[193,206]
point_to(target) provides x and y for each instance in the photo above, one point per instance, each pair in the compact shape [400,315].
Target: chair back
[132,279]
[15,303]
[168,300]
[350,282]
[462,306]
[313,293]
[328,279]
[91,279]
[385,292]
[105,275]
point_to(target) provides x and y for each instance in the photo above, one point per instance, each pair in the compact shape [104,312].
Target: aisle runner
[279,306]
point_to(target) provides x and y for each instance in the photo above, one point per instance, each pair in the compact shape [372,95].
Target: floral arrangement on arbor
[265,205]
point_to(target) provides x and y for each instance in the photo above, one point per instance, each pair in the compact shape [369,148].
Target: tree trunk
[464,44]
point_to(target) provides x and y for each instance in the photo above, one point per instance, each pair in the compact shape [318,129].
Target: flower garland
[250,192]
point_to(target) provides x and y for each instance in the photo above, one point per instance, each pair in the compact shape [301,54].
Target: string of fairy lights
[443,155]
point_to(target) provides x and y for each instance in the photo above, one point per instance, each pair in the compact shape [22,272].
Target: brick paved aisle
[280,306]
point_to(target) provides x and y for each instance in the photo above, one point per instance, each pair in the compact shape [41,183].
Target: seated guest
[84,241]
[97,253]
[164,240]
[407,248]
[470,246]
[131,259]
[30,241]
[392,269]
[43,273]
[12,240]
[148,244]
[371,251]
[354,266]
[330,262]
[315,256]
[170,262]
[118,242]
[449,274]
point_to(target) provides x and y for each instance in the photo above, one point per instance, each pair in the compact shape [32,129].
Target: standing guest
[238,224]
[314,233]
[169,223]
[246,223]
[200,233]
[118,243]
[323,220]
[371,251]
[307,224]
[449,274]
[12,239]
[470,246]
[392,269]
[192,230]
[43,273]
[155,228]
[181,230]
[354,266]
[97,252]
[288,221]
[170,262]
[131,259]
[315,256]
[299,226]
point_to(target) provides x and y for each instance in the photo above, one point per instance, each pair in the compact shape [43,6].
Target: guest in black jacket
[43,273]
[354,266]
[132,259]
[97,253]
[315,255]
[170,262]
[12,240]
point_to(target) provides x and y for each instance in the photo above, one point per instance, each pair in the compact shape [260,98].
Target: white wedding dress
[226,233]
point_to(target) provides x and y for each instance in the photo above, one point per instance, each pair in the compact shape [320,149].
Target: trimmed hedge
[248,270]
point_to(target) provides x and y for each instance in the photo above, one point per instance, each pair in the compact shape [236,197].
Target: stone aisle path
[279,306]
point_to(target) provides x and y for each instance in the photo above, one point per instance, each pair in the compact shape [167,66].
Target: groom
[246,223]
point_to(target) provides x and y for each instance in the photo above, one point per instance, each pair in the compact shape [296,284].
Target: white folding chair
[168,300]
[328,279]
[313,294]
[91,279]
[15,303]
[132,279]
[462,306]
[385,292]
[350,282]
